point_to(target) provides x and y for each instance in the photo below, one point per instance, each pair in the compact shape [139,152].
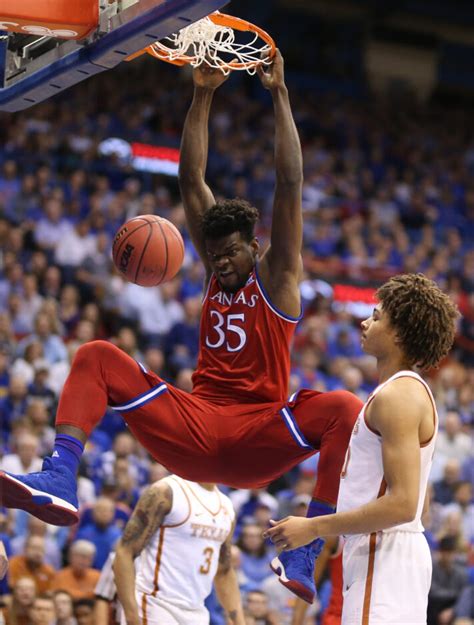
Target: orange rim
[221,19]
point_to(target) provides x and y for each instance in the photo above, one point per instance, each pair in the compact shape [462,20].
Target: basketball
[148,250]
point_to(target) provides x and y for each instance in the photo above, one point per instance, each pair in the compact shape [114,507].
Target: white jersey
[362,477]
[387,574]
[179,563]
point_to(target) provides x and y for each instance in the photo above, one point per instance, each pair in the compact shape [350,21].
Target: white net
[221,47]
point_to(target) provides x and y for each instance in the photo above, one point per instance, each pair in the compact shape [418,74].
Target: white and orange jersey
[362,477]
[180,561]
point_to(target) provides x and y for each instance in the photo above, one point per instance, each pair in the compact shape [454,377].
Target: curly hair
[230,216]
[423,317]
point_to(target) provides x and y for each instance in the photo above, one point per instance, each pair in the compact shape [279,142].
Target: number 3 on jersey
[226,331]
[206,567]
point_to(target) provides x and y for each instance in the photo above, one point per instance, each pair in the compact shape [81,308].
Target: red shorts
[242,445]
[331,619]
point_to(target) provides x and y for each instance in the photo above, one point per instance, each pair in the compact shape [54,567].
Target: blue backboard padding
[105,53]
[48,81]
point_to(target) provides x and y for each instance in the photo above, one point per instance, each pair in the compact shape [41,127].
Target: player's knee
[92,353]
[347,407]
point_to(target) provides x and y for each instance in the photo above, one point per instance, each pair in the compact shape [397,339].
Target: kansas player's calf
[325,420]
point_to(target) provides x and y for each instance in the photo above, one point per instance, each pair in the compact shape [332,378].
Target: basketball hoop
[218,41]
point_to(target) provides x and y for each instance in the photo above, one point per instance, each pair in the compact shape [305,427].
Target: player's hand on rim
[208,77]
[273,75]
[291,532]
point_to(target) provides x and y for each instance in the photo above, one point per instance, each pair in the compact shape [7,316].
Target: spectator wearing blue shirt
[183,339]
[101,531]
[445,487]
[4,372]
[193,280]
[255,554]
[10,185]
[54,349]
[464,608]
[13,405]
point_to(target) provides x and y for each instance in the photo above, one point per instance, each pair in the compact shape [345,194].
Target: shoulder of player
[271,267]
[227,503]
[408,389]
[158,494]
[400,404]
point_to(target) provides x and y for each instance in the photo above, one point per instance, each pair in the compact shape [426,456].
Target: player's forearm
[3,561]
[385,512]
[195,138]
[228,594]
[124,574]
[101,612]
[288,156]
[299,612]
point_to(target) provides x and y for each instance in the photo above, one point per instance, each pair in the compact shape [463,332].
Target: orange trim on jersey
[144,610]
[189,507]
[158,561]
[435,420]
[382,489]
[370,578]
[367,404]
[338,550]
[370,568]
[204,505]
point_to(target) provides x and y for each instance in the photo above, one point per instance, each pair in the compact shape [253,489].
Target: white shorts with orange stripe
[156,611]
[387,577]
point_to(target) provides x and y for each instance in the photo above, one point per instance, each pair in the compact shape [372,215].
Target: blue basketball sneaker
[49,495]
[295,569]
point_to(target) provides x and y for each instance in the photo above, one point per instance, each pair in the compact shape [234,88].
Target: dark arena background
[383,98]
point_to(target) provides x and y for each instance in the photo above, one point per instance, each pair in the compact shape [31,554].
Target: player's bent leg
[101,374]
[326,420]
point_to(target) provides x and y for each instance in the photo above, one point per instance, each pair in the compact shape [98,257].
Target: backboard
[39,60]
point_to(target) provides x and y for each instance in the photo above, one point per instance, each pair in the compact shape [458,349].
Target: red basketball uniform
[244,354]
[236,427]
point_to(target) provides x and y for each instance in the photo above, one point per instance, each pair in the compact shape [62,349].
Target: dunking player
[237,427]
[387,562]
[182,534]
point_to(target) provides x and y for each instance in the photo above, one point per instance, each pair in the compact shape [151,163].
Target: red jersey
[244,352]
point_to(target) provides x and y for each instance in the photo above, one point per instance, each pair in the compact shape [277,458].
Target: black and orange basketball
[148,250]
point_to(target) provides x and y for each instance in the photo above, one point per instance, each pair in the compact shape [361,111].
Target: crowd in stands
[387,190]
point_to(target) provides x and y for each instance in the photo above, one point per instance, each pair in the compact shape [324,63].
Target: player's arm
[281,266]
[152,507]
[196,195]
[101,611]
[226,585]
[398,421]
[105,592]
[3,561]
